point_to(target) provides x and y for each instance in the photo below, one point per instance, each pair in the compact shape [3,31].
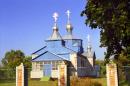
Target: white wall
[54,74]
[36,74]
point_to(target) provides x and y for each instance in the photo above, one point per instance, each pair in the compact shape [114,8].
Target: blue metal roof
[48,56]
[65,56]
[40,51]
[60,50]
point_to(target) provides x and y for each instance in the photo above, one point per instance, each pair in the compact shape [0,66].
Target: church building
[66,50]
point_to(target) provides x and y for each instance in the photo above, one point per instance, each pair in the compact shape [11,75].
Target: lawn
[103,81]
[48,83]
[31,83]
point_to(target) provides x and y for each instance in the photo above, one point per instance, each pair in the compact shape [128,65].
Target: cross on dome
[68,14]
[88,37]
[55,16]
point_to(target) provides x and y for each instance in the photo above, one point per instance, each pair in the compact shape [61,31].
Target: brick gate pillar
[112,77]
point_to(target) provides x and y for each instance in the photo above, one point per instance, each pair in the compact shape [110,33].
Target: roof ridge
[39,49]
[39,55]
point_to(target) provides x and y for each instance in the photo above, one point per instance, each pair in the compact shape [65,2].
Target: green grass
[45,78]
[52,83]
[7,83]
[123,83]
[30,83]
[44,83]
[103,81]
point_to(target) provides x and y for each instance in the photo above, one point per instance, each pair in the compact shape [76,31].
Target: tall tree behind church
[112,17]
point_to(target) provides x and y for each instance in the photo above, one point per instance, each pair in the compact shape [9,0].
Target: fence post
[20,76]
[112,77]
[62,75]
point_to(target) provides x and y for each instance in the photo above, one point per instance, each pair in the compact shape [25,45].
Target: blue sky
[25,24]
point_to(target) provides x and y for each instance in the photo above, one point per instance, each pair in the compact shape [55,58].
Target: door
[47,69]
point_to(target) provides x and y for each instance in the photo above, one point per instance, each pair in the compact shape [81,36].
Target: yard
[31,83]
[45,83]
[102,81]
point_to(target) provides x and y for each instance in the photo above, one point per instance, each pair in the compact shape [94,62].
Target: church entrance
[47,69]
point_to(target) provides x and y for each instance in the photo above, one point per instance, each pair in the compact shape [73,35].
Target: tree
[27,61]
[14,58]
[112,17]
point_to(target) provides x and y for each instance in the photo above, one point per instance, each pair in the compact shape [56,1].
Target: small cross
[68,14]
[88,37]
[55,16]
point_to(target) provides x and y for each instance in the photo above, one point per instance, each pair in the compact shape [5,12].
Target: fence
[124,75]
[9,75]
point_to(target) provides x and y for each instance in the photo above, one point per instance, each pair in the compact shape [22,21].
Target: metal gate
[47,69]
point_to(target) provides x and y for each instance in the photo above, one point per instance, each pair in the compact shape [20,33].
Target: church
[66,50]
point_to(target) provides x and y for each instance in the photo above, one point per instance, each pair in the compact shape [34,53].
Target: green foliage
[99,62]
[15,58]
[10,61]
[102,65]
[112,18]
[75,81]
[27,61]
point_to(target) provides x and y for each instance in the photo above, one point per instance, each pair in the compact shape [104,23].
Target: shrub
[75,81]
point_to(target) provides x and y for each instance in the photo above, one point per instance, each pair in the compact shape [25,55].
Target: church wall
[73,59]
[80,65]
[38,70]
[54,73]
[84,67]
[36,74]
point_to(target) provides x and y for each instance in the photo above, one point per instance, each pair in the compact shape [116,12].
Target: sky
[25,24]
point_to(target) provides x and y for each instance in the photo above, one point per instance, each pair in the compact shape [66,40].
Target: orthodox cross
[68,14]
[88,37]
[55,16]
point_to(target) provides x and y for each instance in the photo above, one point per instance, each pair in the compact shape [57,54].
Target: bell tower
[90,54]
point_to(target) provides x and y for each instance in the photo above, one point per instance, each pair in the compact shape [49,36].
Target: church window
[34,65]
[37,65]
[41,65]
[55,65]
[47,62]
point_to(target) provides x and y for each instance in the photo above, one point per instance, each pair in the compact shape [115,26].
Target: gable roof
[61,50]
[40,51]
[48,56]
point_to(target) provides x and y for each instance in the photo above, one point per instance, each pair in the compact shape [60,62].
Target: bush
[75,81]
